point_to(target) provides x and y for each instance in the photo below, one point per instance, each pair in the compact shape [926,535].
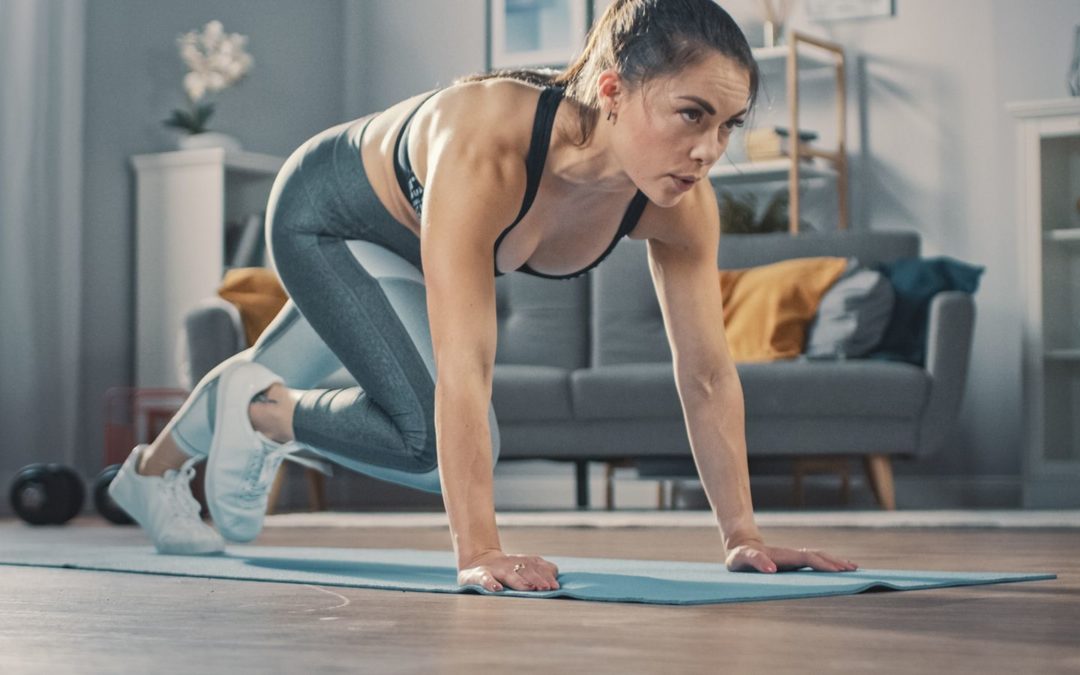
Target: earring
[609,114]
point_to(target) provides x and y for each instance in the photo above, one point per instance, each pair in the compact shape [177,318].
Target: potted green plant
[738,215]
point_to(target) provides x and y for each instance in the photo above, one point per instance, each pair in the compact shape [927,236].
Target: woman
[536,172]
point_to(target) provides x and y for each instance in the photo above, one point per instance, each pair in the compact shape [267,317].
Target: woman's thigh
[353,274]
[377,328]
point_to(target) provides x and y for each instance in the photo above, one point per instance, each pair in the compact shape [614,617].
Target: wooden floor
[70,621]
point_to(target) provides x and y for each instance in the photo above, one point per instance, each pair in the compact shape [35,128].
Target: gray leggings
[357,300]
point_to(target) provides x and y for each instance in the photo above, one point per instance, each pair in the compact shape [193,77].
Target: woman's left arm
[683,264]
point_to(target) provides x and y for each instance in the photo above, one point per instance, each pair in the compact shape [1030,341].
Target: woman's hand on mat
[492,569]
[757,557]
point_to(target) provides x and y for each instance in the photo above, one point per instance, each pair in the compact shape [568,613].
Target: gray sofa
[583,370]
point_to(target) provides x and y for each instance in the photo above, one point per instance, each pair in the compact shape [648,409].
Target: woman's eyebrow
[701,102]
[708,107]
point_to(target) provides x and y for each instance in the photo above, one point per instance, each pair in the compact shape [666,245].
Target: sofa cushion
[785,388]
[625,391]
[540,322]
[530,393]
[852,315]
[767,308]
[813,388]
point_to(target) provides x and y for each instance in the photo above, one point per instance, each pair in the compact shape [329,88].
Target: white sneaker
[243,462]
[164,507]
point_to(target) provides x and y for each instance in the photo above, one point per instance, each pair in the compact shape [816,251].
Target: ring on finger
[518,567]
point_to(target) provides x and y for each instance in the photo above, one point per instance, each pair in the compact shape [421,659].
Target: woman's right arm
[468,198]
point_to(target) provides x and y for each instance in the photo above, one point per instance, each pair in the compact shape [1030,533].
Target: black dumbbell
[47,494]
[104,503]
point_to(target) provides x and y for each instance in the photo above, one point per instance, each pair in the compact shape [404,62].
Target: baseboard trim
[523,491]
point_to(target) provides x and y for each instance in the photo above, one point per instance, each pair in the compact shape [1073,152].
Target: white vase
[208,139]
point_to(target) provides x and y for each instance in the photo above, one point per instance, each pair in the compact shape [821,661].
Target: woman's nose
[709,150]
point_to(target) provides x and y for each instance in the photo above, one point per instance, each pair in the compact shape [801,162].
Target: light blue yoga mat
[600,579]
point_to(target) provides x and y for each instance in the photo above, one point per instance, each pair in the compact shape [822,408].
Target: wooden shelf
[1062,355]
[772,61]
[802,54]
[762,172]
[1068,235]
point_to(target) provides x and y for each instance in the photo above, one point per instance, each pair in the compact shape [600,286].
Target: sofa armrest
[213,331]
[948,352]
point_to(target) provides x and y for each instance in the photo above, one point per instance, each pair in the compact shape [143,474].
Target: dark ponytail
[642,39]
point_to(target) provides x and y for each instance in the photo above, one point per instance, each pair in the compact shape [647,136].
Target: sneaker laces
[272,455]
[178,491]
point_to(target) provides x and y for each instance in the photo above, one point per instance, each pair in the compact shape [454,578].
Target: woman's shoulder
[498,111]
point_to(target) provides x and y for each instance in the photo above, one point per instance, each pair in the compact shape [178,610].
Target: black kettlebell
[104,503]
[47,494]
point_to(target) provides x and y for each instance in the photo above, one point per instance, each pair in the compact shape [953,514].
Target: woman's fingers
[532,579]
[532,575]
[519,573]
[819,560]
[772,559]
[746,559]
[761,562]
[481,577]
[840,564]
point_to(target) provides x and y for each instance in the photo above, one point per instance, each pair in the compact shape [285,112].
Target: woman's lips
[683,183]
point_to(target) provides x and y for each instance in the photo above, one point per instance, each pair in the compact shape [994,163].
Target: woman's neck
[594,165]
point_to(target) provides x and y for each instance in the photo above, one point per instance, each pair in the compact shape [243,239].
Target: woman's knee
[426,454]
[425,451]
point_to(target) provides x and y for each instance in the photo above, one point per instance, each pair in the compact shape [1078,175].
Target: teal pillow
[916,281]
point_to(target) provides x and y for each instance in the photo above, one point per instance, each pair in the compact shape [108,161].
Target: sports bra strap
[403,171]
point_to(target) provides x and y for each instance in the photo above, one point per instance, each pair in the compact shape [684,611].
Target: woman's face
[669,132]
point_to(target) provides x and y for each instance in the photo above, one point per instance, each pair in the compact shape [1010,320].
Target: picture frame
[843,10]
[535,33]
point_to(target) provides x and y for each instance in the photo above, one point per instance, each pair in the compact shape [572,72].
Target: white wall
[406,48]
[930,142]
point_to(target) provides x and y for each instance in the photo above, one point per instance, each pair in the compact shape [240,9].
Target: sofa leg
[879,471]
[609,486]
[609,480]
[316,490]
[582,474]
[807,465]
[275,490]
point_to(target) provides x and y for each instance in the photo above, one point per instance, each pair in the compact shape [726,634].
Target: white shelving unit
[183,200]
[803,54]
[1048,211]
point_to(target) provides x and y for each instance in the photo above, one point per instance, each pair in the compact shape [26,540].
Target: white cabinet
[183,200]
[1048,153]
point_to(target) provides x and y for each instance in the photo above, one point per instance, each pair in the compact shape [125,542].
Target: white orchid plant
[216,60]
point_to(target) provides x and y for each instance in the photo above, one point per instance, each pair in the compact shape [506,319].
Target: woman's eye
[691,115]
[731,124]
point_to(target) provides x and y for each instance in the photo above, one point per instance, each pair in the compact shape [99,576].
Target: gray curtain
[41,116]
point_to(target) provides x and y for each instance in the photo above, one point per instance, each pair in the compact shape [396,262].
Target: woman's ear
[609,90]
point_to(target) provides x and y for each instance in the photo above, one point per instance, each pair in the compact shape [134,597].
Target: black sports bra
[546,108]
